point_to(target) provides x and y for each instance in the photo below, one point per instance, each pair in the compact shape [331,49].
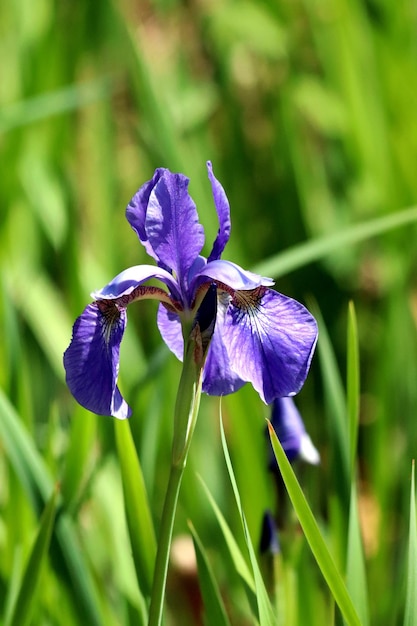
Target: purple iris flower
[291,432]
[260,336]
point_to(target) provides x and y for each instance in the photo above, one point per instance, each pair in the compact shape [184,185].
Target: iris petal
[172,226]
[270,341]
[223,211]
[218,377]
[232,275]
[127,281]
[136,211]
[92,360]
[170,328]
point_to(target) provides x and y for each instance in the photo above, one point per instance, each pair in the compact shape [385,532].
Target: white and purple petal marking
[270,341]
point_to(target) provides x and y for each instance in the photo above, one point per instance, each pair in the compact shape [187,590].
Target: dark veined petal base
[92,359]
[270,340]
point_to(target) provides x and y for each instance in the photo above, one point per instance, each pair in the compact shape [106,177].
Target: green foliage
[307,111]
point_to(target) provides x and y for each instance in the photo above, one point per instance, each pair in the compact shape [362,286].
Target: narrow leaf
[410,618]
[313,535]
[234,550]
[317,249]
[215,611]
[22,610]
[266,614]
[352,384]
[138,514]
[355,568]
[336,400]
[37,482]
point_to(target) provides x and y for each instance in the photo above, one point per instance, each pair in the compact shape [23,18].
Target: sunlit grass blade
[53,103]
[34,294]
[35,478]
[316,249]
[238,559]
[355,561]
[266,614]
[355,566]
[78,456]
[336,399]
[138,514]
[215,612]
[23,606]
[312,533]
[352,386]
[21,451]
[410,617]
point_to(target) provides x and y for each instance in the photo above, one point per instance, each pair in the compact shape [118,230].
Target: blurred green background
[307,109]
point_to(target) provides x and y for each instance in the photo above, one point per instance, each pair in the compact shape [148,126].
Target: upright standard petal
[172,226]
[92,359]
[136,211]
[270,341]
[223,211]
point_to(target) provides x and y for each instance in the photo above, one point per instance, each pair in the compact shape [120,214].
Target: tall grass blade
[355,567]
[266,614]
[312,533]
[410,617]
[138,514]
[37,482]
[234,550]
[336,399]
[215,612]
[316,249]
[355,562]
[23,607]
[352,386]
[53,103]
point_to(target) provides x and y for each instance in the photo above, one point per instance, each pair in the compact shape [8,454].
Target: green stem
[197,337]
[164,545]
[186,411]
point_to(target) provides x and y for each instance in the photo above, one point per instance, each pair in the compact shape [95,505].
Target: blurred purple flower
[291,432]
[260,336]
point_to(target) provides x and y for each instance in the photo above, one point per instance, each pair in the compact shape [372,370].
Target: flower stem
[164,546]
[178,464]
[186,411]
[185,418]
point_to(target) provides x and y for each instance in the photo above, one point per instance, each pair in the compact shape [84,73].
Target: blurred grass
[307,111]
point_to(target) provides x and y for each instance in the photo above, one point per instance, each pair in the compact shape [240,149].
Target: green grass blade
[78,456]
[355,567]
[24,457]
[336,400]
[234,550]
[37,482]
[266,614]
[317,249]
[312,533]
[352,386]
[410,617]
[355,562]
[53,103]
[215,612]
[22,610]
[138,514]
